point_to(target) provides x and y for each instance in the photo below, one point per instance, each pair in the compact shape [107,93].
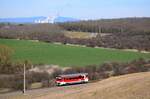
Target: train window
[58,78]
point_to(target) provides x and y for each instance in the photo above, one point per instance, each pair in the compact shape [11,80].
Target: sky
[81,9]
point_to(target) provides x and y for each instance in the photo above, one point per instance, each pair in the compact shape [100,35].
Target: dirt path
[30,94]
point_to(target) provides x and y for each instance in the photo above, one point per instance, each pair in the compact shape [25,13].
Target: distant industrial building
[46,20]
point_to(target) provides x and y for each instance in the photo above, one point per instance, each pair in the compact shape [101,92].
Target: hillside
[21,19]
[67,55]
[131,86]
[38,19]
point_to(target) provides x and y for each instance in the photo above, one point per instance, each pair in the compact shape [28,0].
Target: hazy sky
[83,9]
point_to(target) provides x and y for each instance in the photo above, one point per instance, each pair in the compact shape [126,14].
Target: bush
[5,54]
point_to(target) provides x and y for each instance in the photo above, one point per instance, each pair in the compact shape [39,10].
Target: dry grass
[36,85]
[132,86]
[82,35]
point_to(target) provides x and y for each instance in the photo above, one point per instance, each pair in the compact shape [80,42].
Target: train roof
[72,75]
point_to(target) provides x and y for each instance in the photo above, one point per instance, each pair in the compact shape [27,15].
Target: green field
[65,55]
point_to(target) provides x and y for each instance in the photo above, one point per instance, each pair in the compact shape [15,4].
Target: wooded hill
[122,25]
[125,33]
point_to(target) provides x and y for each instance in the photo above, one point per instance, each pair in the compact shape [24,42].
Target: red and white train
[72,79]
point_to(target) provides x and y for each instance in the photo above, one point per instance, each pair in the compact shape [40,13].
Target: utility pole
[24,79]
[99,33]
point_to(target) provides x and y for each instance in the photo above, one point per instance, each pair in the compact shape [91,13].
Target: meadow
[66,55]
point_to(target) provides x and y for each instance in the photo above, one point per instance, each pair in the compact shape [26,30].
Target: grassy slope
[132,86]
[40,52]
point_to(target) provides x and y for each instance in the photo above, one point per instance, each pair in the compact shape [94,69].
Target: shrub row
[111,69]
[95,72]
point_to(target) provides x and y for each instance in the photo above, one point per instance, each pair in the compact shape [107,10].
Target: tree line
[123,25]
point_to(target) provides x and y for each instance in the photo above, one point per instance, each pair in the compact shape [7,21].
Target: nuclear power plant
[49,19]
